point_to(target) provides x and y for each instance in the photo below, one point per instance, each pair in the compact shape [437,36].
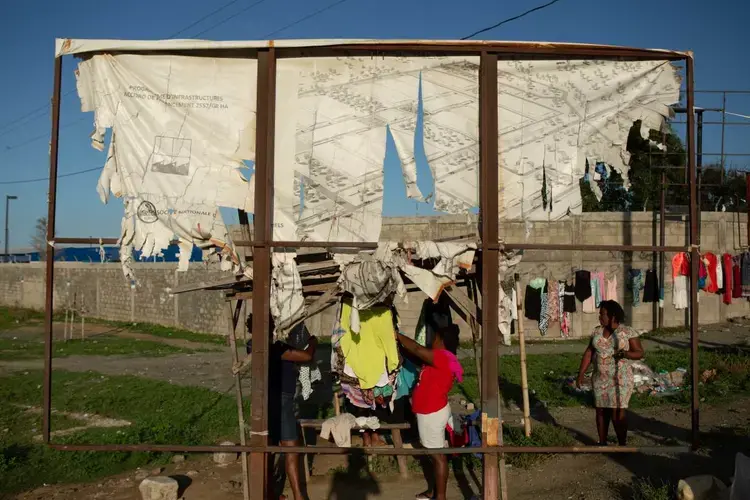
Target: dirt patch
[578,477]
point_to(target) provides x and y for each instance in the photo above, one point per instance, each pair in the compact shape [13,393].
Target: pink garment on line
[612,289]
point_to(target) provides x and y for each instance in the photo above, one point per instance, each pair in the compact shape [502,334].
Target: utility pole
[7,208]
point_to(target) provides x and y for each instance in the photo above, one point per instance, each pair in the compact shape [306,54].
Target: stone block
[223,458]
[159,488]
[701,488]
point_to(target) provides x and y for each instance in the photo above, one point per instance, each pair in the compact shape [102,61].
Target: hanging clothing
[569,303]
[564,316]
[407,379]
[532,303]
[612,289]
[583,285]
[736,278]
[702,275]
[374,347]
[597,287]
[636,285]
[746,274]
[680,264]
[710,261]
[514,302]
[651,287]
[728,285]
[719,274]
[680,292]
[553,303]
[540,284]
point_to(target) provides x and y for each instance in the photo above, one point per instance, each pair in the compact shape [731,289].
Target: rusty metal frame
[491,246]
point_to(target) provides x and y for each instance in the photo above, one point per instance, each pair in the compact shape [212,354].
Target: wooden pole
[522,352]
[238,392]
[471,289]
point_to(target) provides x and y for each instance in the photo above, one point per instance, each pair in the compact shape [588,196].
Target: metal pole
[488,185]
[694,253]
[662,239]
[49,287]
[265,119]
[723,123]
[699,169]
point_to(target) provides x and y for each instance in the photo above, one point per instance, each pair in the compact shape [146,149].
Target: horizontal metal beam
[519,50]
[591,248]
[327,450]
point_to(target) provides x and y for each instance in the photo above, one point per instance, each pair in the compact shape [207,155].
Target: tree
[39,239]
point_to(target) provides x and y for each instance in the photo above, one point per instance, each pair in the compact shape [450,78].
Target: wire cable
[229,18]
[305,18]
[519,16]
[213,12]
[40,179]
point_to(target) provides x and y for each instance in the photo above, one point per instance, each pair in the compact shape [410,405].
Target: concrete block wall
[105,293]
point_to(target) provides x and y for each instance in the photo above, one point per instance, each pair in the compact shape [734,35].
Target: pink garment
[455,366]
[612,289]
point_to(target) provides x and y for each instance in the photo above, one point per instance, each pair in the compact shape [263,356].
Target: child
[430,397]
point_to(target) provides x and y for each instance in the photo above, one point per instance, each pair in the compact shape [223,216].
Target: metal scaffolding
[491,244]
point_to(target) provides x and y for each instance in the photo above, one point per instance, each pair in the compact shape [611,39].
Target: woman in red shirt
[430,398]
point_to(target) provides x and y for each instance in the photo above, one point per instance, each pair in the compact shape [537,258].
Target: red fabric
[680,265]
[736,280]
[711,267]
[435,382]
[727,269]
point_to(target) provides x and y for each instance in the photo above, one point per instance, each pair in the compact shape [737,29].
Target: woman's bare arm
[636,350]
[412,347]
[588,355]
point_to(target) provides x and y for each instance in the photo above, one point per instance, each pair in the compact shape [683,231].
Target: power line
[229,18]
[42,136]
[305,18]
[216,11]
[40,179]
[540,7]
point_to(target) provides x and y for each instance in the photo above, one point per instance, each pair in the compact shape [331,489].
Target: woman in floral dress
[612,349]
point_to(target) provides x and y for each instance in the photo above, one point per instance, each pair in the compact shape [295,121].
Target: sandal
[424,496]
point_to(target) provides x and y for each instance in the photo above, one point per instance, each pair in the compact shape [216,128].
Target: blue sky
[716,31]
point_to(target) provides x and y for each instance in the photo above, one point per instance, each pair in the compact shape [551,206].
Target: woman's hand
[579,382]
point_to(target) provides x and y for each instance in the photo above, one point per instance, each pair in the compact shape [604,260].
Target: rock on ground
[701,488]
[159,488]
[225,458]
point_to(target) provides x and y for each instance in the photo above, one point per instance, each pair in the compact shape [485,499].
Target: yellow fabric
[366,352]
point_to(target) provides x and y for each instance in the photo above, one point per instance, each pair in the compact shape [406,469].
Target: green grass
[160,413]
[547,371]
[101,345]
[14,317]
[646,489]
[166,332]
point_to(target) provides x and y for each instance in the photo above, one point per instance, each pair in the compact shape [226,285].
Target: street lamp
[7,208]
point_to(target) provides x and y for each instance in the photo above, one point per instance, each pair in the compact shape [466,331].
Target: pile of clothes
[366,362]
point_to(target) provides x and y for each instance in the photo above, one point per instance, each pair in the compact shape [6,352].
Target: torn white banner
[554,115]
[452,258]
[331,137]
[181,128]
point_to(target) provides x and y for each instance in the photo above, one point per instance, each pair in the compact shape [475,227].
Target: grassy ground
[102,345]
[165,332]
[160,414]
[13,317]
[547,372]
[645,489]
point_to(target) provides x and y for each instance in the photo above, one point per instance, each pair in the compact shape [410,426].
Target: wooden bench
[395,429]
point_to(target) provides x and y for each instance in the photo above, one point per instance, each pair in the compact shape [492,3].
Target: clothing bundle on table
[367,362]
[726,275]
